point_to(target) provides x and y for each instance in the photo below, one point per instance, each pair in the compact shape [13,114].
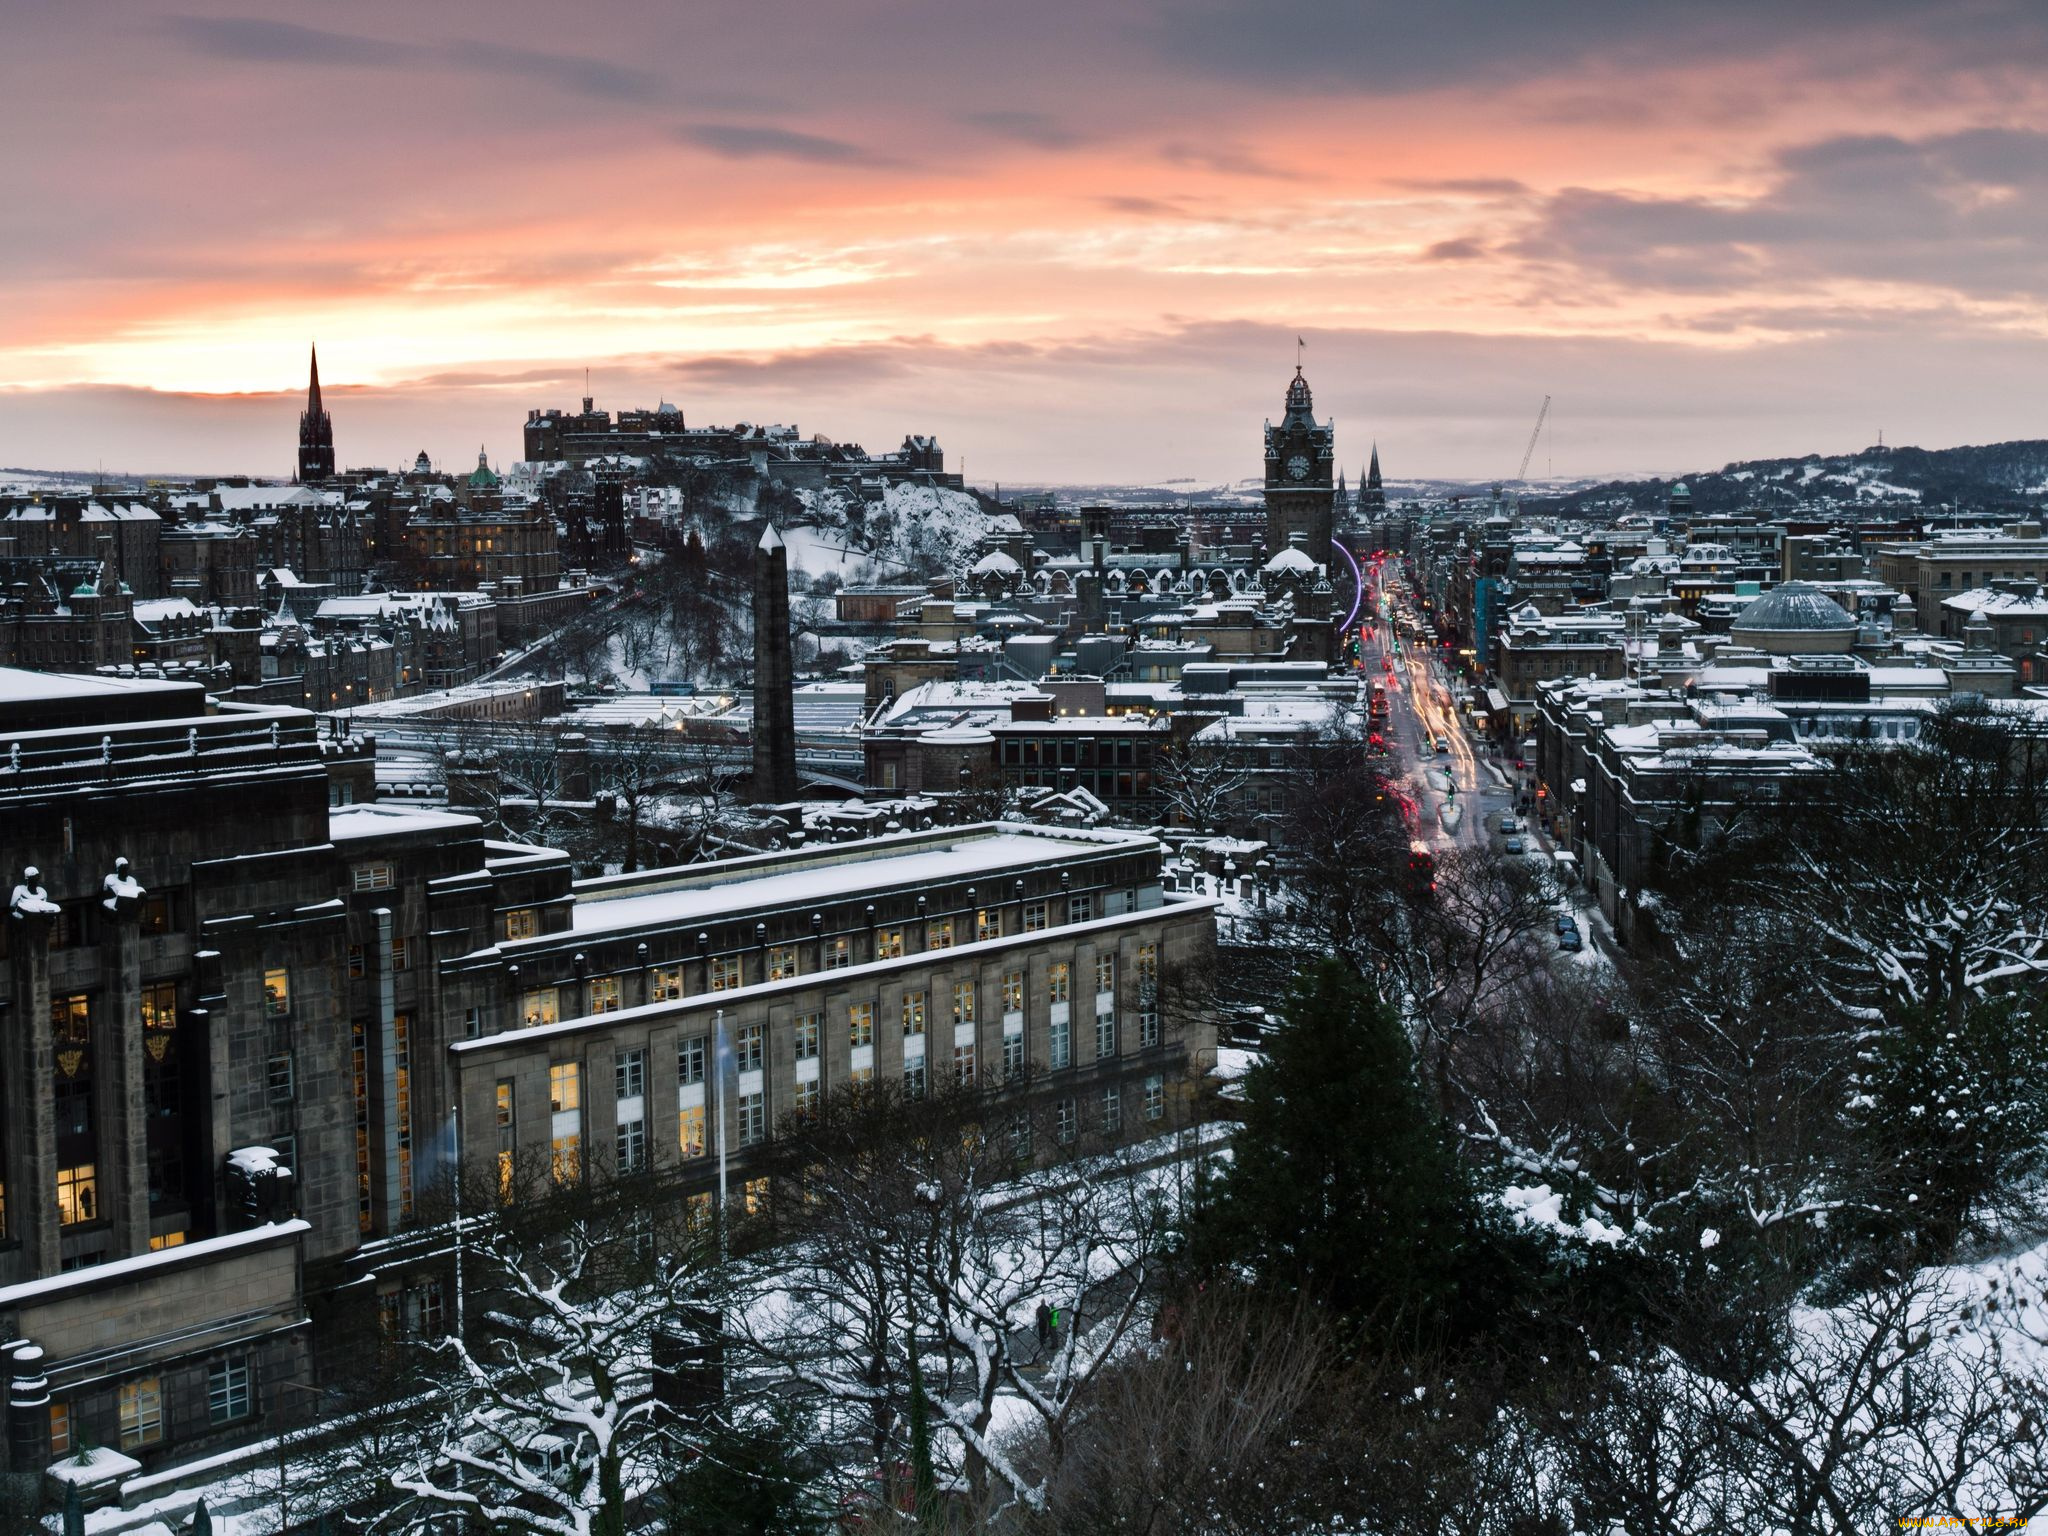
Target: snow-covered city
[1421,909]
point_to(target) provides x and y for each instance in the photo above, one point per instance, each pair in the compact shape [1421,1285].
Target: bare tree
[1205,785]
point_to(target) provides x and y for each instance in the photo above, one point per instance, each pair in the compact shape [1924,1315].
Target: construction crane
[1528,453]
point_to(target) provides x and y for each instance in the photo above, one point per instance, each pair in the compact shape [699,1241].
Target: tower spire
[316,430]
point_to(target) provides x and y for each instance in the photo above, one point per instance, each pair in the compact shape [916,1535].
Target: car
[1513,845]
[1566,922]
[1443,743]
[1509,824]
[1569,942]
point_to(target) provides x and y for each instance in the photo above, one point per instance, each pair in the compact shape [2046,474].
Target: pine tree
[1341,1184]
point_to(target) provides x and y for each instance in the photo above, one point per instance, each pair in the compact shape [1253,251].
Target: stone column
[29,1077]
[28,1410]
[118,1104]
[774,727]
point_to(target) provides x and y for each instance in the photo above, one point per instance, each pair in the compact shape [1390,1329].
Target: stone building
[239,1017]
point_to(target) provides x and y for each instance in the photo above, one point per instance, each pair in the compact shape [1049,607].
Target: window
[142,1413]
[1066,1124]
[1058,981]
[913,1014]
[1060,1044]
[889,944]
[1013,991]
[963,1064]
[782,962]
[691,1136]
[1081,909]
[838,953]
[963,1003]
[690,1060]
[748,1047]
[401,954]
[522,923]
[1013,1055]
[1155,1097]
[502,1109]
[629,1074]
[725,973]
[988,923]
[280,1074]
[1105,1036]
[159,1241]
[1020,1137]
[1112,1110]
[668,983]
[60,1428]
[1105,973]
[939,933]
[78,1195]
[755,1193]
[538,1007]
[753,1108]
[1148,996]
[807,1095]
[565,1159]
[913,1077]
[277,993]
[1034,916]
[806,1036]
[227,1391]
[632,1146]
[604,995]
[565,1089]
[357,966]
[371,877]
[860,1024]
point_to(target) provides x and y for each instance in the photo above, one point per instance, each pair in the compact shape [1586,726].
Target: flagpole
[455,1130]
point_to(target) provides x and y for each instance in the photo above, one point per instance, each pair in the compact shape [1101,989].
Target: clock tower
[1301,464]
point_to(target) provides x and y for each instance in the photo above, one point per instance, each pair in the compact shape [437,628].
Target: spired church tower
[1301,462]
[316,433]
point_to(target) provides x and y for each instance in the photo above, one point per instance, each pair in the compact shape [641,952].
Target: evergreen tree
[756,1476]
[1341,1185]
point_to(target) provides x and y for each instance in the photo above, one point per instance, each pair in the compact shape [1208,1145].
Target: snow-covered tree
[918,1228]
[543,1422]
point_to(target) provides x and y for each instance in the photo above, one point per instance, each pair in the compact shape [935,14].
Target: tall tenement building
[240,1009]
[316,432]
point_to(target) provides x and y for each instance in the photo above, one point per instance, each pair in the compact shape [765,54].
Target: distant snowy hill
[913,527]
[1996,477]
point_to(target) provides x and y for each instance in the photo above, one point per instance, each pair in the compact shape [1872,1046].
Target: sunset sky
[1075,240]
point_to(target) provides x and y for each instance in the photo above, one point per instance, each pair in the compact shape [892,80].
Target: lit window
[782,962]
[806,1035]
[691,1136]
[142,1413]
[1058,981]
[1013,991]
[60,1428]
[1105,973]
[227,1391]
[807,1095]
[565,1091]
[725,973]
[277,993]
[838,953]
[939,934]
[538,1007]
[755,1193]
[522,923]
[668,983]
[503,1107]
[913,1013]
[565,1162]
[988,923]
[604,995]
[963,1002]
[889,944]
[162,1240]
[860,1024]
[78,1195]
[1034,916]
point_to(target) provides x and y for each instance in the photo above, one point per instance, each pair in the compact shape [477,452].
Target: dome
[1794,617]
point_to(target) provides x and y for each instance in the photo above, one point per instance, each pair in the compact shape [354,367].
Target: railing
[155,749]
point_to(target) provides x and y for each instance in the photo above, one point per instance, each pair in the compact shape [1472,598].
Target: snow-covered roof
[360,821]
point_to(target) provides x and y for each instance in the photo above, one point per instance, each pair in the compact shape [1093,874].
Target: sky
[1076,239]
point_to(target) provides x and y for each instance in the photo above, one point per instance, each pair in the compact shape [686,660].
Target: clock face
[1297,467]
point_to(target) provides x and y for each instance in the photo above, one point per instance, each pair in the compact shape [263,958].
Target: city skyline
[1076,247]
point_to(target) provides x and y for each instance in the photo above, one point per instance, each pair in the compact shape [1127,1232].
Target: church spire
[316,431]
[1372,497]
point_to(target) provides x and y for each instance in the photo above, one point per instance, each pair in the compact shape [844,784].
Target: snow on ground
[815,552]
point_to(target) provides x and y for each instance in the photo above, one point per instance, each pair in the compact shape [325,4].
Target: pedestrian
[1044,1325]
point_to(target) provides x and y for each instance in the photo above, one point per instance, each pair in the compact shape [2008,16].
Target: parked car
[1514,845]
[1569,942]
[1509,824]
[1566,923]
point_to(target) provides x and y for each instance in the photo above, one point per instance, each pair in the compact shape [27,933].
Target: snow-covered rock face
[912,525]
